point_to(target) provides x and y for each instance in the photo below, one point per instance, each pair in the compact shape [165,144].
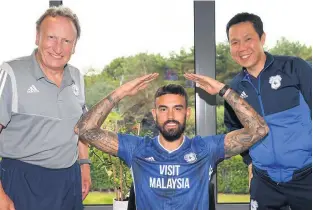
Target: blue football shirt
[171,180]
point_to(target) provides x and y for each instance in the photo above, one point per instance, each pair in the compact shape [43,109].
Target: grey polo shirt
[38,116]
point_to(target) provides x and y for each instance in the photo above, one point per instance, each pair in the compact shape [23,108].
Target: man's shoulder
[16,64]
[73,69]
[146,140]
[204,139]
[284,57]
[288,64]
[198,141]
[281,60]
[76,75]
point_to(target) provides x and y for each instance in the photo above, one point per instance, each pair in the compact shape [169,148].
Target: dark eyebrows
[162,106]
[176,106]
[179,106]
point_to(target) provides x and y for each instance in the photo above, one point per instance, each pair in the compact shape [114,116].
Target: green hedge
[232,176]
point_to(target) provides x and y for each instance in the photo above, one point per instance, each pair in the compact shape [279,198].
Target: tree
[286,47]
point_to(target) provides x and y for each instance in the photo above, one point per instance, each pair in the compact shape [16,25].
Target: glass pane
[120,41]
[285,37]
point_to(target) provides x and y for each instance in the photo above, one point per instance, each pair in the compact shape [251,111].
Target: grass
[107,198]
[99,198]
[233,198]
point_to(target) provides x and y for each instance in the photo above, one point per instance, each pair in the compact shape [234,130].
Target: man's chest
[42,98]
[185,171]
[270,93]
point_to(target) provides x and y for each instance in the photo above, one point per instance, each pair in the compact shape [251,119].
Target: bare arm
[89,126]
[255,128]
[82,150]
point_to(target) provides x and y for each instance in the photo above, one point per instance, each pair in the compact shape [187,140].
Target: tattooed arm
[254,126]
[89,126]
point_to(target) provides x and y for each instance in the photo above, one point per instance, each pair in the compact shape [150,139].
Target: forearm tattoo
[255,128]
[103,140]
[89,126]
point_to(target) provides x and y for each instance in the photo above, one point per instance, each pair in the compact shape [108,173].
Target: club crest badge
[190,157]
[275,82]
[75,90]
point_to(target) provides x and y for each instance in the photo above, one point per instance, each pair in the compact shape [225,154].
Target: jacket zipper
[258,91]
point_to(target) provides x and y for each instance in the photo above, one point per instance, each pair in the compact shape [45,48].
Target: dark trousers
[269,195]
[131,200]
[32,187]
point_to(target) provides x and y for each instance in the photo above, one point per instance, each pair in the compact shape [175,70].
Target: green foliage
[232,176]
[221,128]
[226,68]
[286,47]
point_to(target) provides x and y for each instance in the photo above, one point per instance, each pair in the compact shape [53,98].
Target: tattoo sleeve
[89,126]
[255,128]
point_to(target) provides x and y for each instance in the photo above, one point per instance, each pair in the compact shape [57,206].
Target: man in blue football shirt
[171,171]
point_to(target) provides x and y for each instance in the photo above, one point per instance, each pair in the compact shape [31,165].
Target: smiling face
[56,41]
[170,115]
[246,47]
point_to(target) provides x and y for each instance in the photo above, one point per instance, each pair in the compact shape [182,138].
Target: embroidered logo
[254,204]
[275,81]
[32,89]
[243,95]
[190,157]
[75,90]
[149,159]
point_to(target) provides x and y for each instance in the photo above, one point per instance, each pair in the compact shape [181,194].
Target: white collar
[169,151]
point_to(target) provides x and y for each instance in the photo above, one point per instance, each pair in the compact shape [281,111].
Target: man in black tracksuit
[279,88]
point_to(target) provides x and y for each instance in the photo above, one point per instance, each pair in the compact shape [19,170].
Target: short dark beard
[172,134]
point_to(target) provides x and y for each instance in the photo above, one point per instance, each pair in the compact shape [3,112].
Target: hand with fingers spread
[206,83]
[134,86]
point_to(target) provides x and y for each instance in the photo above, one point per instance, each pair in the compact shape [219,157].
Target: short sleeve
[5,98]
[126,146]
[215,145]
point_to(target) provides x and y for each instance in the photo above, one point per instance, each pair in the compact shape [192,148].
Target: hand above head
[206,83]
[134,86]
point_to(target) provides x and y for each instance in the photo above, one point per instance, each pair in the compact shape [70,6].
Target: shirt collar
[268,62]
[171,151]
[38,73]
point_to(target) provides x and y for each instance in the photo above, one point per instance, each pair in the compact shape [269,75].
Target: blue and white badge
[190,157]
[275,82]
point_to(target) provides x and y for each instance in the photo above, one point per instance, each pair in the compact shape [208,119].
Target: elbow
[266,129]
[263,130]
[81,132]
[76,130]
